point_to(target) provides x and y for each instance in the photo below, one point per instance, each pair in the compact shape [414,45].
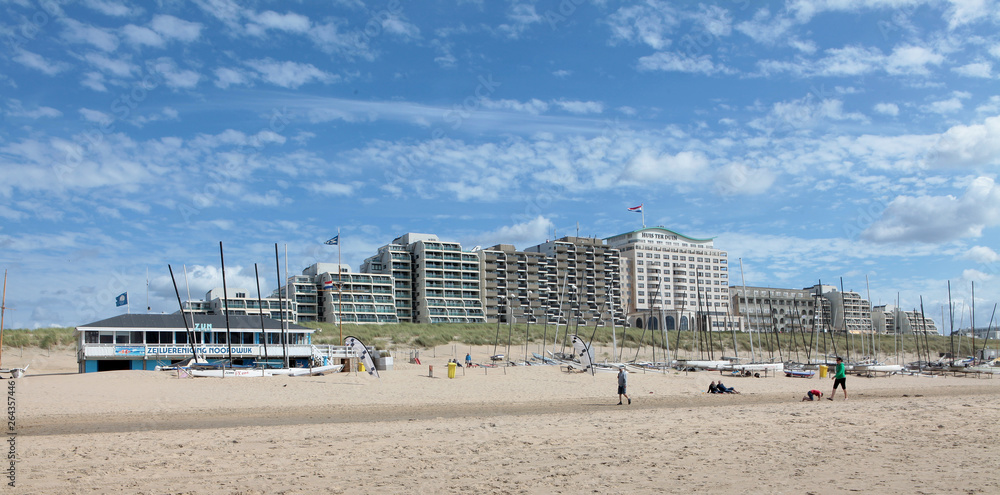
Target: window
[91,337]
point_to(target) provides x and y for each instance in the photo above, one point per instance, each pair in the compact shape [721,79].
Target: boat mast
[187,329]
[746,301]
[951,318]
[260,309]
[225,305]
[3,309]
[281,309]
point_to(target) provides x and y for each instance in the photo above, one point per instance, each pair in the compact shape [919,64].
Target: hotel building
[673,279]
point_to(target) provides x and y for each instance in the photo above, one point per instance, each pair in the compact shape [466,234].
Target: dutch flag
[637,209]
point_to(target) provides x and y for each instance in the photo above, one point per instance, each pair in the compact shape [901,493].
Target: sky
[820,140]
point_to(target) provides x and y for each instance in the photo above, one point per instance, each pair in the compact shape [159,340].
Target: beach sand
[495,430]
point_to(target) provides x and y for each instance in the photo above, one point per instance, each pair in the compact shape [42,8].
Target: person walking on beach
[622,385]
[839,379]
[813,395]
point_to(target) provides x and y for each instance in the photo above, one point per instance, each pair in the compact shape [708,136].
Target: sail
[362,351]
[583,352]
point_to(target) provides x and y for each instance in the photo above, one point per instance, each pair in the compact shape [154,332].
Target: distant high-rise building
[673,279]
[774,309]
[583,278]
[849,312]
[890,319]
[440,282]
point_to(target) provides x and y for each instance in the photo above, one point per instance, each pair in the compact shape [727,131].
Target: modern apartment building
[673,279]
[242,302]
[315,295]
[849,312]
[583,278]
[775,309]
[442,284]
[890,319]
[518,285]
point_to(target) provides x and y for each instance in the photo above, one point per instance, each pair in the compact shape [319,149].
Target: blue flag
[334,241]
[122,299]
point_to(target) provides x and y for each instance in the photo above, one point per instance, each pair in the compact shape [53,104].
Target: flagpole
[643,212]
[340,290]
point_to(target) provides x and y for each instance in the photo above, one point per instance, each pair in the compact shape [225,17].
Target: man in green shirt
[839,379]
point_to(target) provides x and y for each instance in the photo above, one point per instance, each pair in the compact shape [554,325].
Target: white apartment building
[890,319]
[849,312]
[442,283]
[582,281]
[673,278]
[770,309]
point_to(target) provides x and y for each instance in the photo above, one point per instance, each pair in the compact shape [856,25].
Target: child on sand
[813,395]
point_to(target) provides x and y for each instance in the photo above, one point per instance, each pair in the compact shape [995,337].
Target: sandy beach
[495,430]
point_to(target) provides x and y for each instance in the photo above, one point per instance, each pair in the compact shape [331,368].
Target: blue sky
[813,139]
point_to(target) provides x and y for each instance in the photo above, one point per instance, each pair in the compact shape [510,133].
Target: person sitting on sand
[713,388]
[724,389]
[813,395]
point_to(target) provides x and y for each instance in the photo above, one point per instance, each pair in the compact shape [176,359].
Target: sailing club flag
[637,209]
[334,241]
[121,300]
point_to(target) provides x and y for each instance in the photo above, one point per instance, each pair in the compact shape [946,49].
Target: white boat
[702,364]
[316,370]
[227,373]
[775,367]
[884,368]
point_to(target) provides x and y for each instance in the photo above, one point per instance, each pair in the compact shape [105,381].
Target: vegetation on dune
[792,345]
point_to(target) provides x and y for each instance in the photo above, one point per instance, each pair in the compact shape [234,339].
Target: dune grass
[791,345]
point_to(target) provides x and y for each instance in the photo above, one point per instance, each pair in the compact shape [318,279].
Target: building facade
[849,312]
[440,282]
[673,281]
[583,278]
[890,319]
[772,309]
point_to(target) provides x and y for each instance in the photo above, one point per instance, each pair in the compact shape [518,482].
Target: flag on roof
[334,241]
[637,209]
[121,300]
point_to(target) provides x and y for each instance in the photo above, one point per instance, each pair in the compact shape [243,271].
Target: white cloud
[173,76]
[331,188]
[909,59]
[115,66]
[290,74]
[533,106]
[40,63]
[650,24]
[678,62]
[950,105]
[967,11]
[975,275]
[108,8]
[138,35]
[94,81]
[968,145]
[562,73]
[225,77]
[522,16]
[174,28]
[78,32]
[767,30]
[738,178]
[17,110]
[532,231]
[580,107]
[939,219]
[976,69]
[981,254]
[269,19]
[650,167]
[887,109]
[96,116]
